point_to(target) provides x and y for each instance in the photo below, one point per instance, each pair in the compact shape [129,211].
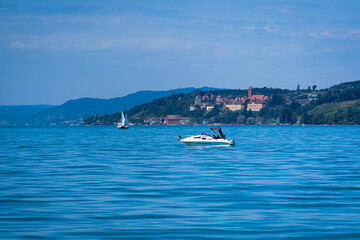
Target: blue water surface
[277,182]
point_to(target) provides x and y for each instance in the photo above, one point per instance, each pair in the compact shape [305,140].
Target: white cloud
[197,66]
[279,8]
[17,44]
[271,29]
[87,42]
[284,9]
[161,44]
[223,52]
[32,45]
[355,32]
[337,34]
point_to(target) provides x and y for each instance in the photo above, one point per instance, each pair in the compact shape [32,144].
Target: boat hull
[208,143]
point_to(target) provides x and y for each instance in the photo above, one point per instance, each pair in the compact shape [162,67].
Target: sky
[54,51]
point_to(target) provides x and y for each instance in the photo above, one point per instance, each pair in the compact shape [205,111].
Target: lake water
[277,182]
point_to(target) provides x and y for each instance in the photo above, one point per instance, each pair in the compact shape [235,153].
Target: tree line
[281,108]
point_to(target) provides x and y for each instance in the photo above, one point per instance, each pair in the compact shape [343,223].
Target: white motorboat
[218,138]
[124,124]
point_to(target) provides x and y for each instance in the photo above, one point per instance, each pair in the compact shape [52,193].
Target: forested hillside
[339,104]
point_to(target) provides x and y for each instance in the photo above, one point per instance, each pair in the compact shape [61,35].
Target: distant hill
[345,113]
[74,111]
[16,115]
[345,85]
[334,107]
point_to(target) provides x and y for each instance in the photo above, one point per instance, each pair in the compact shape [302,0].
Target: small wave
[25,146]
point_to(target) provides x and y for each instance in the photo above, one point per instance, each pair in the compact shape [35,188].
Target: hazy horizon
[52,52]
[44,104]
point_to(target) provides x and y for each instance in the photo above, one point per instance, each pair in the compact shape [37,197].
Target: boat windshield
[206,134]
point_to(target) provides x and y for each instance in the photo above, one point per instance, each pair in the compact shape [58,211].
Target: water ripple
[277,182]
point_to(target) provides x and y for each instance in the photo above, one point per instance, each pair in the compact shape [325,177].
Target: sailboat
[124,124]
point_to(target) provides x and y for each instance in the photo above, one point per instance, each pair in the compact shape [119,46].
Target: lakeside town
[251,103]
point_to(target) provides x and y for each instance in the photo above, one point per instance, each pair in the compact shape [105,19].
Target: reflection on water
[101,182]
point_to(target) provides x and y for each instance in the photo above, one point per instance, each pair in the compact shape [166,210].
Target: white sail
[126,120]
[123,119]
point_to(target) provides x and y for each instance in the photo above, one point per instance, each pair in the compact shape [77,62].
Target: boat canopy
[219,130]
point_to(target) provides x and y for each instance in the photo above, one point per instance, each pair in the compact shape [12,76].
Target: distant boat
[124,124]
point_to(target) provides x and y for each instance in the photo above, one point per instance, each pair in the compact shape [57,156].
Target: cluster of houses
[234,103]
[252,102]
[304,100]
[168,120]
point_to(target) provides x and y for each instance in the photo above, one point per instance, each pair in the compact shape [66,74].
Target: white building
[254,107]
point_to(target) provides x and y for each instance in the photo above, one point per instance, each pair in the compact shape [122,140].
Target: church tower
[250,92]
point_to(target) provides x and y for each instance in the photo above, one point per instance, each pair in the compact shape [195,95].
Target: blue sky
[53,51]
